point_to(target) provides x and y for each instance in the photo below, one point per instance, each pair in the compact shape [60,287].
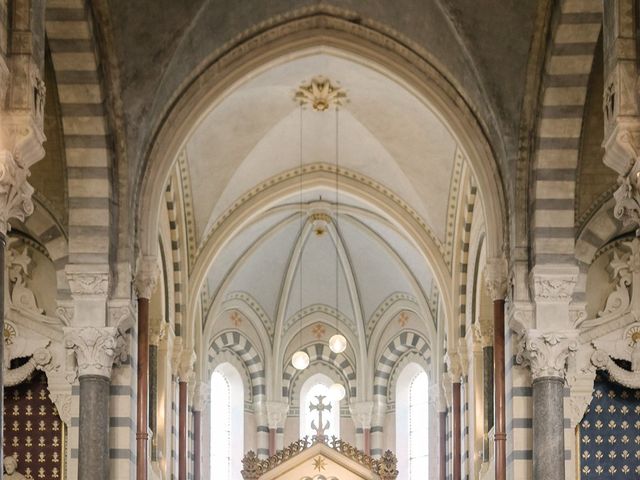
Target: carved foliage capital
[546,353]
[277,414]
[147,276]
[94,349]
[496,279]
[362,413]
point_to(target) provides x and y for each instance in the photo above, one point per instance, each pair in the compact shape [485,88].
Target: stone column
[377,425]
[156,335]
[496,279]
[22,95]
[95,350]
[361,414]
[276,417]
[546,353]
[201,398]
[185,376]
[442,416]
[145,283]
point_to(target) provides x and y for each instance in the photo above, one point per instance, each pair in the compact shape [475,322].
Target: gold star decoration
[318,330]
[235,318]
[319,463]
[403,318]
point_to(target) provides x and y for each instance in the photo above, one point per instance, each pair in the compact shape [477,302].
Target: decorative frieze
[546,353]
[94,349]
[553,284]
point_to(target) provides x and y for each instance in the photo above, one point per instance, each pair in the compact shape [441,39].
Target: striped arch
[320,352]
[405,342]
[46,229]
[85,127]
[177,262]
[240,346]
[564,93]
[464,256]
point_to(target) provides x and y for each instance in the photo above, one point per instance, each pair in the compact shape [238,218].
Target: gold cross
[318,330]
[403,318]
[235,318]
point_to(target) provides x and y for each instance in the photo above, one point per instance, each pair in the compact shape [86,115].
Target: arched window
[227,423]
[318,384]
[412,423]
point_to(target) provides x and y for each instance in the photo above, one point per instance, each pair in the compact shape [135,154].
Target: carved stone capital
[94,349]
[546,353]
[361,413]
[201,396]
[496,278]
[88,280]
[554,283]
[186,367]
[147,275]
[277,414]
[157,332]
[453,361]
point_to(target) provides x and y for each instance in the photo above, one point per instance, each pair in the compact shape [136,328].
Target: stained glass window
[419,426]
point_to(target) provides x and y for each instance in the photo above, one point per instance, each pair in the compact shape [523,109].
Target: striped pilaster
[177,261]
[377,436]
[464,258]
[565,81]
[84,124]
[262,440]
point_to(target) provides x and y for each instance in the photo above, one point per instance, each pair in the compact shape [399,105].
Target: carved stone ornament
[361,413]
[147,276]
[496,279]
[546,353]
[40,359]
[277,414]
[94,349]
[201,396]
[88,280]
[553,285]
[18,263]
[186,367]
[15,191]
[628,349]
[629,379]
[321,93]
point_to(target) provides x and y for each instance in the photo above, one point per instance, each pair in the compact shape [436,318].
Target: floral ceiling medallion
[321,93]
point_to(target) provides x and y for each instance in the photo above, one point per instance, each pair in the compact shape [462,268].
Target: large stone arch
[87,144]
[571,50]
[297,36]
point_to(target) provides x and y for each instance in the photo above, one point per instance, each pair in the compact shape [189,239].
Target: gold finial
[320,93]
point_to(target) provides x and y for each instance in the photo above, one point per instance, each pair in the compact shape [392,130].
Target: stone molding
[496,278]
[546,353]
[362,414]
[93,348]
[276,413]
[147,275]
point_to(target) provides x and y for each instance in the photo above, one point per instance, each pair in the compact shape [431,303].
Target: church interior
[320,240]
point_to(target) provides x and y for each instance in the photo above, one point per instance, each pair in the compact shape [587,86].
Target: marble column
[546,353]
[361,414]
[95,350]
[185,376]
[146,279]
[456,432]
[156,334]
[496,283]
[276,418]
[442,416]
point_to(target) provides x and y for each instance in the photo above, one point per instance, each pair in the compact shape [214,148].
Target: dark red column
[499,382]
[182,432]
[197,419]
[457,450]
[142,434]
[443,445]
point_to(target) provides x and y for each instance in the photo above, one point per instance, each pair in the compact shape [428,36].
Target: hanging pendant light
[337,343]
[337,392]
[300,360]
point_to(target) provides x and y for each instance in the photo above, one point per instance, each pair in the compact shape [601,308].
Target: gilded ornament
[321,93]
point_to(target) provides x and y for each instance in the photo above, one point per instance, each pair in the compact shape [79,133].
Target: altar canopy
[320,459]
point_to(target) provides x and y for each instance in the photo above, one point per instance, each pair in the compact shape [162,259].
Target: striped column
[377,425]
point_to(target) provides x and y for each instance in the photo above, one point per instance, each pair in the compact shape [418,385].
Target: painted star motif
[319,463]
[403,318]
[235,318]
[318,330]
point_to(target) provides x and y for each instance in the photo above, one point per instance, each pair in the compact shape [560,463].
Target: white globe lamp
[337,343]
[300,360]
[337,392]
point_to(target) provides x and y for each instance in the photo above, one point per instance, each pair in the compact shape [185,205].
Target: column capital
[361,413]
[94,349]
[201,396]
[147,274]
[546,353]
[88,280]
[186,367]
[454,364]
[276,414]
[496,278]
[157,332]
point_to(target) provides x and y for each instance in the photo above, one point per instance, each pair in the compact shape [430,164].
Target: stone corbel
[93,349]
[362,414]
[546,353]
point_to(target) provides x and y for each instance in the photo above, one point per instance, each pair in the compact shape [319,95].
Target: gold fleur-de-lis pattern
[610,433]
[33,431]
